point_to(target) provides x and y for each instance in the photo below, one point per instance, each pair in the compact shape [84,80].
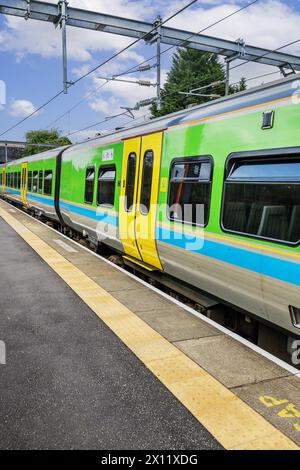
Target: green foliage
[51,137]
[241,86]
[192,69]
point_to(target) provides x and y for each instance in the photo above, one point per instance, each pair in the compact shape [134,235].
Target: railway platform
[97,359]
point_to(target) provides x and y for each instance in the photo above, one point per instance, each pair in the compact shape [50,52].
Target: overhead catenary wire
[138,118]
[133,68]
[141,117]
[266,54]
[98,66]
[76,105]
[31,114]
[136,41]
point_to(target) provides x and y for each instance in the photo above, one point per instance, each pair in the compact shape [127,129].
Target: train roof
[44,155]
[270,93]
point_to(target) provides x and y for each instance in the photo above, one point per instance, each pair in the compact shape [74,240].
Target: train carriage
[31,181]
[236,159]
[13,182]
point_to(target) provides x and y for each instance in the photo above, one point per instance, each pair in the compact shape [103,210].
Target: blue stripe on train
[13,191]
[43,200]
[94,214]
[283,270]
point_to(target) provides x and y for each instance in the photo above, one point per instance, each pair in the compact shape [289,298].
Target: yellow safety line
[230,420]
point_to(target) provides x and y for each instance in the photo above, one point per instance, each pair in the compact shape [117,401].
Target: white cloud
[21,108]
[35,37]
[267,24]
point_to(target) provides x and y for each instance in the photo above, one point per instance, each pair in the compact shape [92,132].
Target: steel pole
[63,6]
[227,80]
[158,65]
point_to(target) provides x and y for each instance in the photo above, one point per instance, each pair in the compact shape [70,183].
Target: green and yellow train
[209,196]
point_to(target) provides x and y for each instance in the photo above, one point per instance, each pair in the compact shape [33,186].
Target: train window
[130,181]
[48,177]
[40,189]
[18,180]
[89,185]
[29,182]
[190,189]
[147,182]
[35,182]
[106,185]
[261,199]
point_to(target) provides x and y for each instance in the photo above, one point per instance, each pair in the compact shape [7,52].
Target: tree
[52,137]
[191,69]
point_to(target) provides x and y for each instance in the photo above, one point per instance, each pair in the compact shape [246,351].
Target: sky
[31,60]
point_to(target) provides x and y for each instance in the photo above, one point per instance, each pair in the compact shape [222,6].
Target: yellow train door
[139,196]
[24,183]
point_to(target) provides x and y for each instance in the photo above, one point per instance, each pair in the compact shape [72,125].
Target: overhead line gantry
[63,15]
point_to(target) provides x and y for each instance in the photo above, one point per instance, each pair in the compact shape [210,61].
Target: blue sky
[30,55]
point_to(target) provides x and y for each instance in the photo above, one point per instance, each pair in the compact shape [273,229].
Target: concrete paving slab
[230,362]
[278,401]
[141,299]
[176,324]
[295,381]
[116,282]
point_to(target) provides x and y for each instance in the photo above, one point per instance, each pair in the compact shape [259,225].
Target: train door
[139,196]
[24,183]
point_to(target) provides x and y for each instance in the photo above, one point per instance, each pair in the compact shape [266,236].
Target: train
[208,196]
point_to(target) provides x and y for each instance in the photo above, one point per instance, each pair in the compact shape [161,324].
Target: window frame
[19,180]
[142,162]
[40,190]
[205,158]
[37,181]
[29,180]
[50,171]
[130,210]
[90,167]
[264,155]
[103,167]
